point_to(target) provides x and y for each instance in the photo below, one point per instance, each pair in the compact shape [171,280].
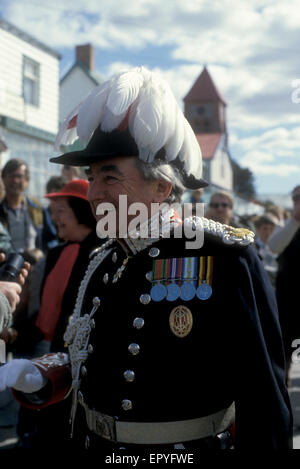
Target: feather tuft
[92,110]
[124,92]
[68,132]
[142,101]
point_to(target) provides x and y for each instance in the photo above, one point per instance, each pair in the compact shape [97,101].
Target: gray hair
[161,170]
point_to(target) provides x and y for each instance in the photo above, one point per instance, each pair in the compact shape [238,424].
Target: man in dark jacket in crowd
[22,216]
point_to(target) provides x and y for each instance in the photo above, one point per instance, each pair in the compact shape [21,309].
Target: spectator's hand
[22,375]
[12,291]
[24,273]
[9,335]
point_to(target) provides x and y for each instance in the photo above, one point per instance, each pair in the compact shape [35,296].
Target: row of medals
[187,291]
[171,292]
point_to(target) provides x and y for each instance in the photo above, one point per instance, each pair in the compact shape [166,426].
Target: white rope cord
[229,234]
[78,331]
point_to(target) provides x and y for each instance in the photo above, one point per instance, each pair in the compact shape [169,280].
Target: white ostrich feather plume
[142,101]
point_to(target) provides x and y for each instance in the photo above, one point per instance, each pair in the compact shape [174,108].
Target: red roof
[208,144]
[204,89]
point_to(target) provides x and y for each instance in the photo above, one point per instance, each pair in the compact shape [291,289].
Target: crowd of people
[55,240]
[162,349]
[277,232]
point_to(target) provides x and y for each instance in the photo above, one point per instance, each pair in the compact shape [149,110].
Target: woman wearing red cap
[66,263]
[64,270]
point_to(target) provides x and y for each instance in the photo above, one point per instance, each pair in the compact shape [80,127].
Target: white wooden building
[75,86]
[29,103]
[79,80]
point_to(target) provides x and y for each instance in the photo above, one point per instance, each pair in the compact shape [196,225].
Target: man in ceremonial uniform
[171,345]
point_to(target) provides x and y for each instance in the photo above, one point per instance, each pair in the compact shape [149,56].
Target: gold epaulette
[228,234]
[241,236]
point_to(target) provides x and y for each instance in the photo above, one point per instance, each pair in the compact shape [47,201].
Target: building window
[202,110]
[207,124]
[31,78]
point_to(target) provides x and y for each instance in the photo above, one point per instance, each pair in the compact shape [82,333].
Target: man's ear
[163,190]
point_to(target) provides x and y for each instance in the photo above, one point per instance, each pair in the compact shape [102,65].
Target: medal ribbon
[209,270]
[159,270]
[179,270]
[189,269]
[172,269]
[205,270]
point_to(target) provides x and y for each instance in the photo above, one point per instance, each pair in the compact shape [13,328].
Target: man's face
[111,178]
[220,209]
[16,183]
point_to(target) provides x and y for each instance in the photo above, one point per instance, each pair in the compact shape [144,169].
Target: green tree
[243,181]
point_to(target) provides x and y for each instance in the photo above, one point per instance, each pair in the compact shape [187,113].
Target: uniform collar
[158,226]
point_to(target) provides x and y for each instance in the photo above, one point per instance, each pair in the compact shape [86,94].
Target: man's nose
[95,192]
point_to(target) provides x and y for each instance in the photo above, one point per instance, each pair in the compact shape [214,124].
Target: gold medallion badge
[181,321]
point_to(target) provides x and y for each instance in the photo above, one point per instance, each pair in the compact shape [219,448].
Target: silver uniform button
[154,252]
[126,404]
[96,301]
[134,349]
[105,278]
[129,376]
[145,298]
[90,348]
[138,323]
[114,257]
[149,276]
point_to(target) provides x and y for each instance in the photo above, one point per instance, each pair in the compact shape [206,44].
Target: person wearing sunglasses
[285,242]
[221,208]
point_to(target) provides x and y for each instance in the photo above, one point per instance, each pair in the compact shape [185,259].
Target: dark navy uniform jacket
[233,352]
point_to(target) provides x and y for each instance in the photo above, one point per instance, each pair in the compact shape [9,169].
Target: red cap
[76,188]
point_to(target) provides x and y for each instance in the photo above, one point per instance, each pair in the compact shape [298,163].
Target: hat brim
[53,195]
[106,145]
[190,182]
[81,158]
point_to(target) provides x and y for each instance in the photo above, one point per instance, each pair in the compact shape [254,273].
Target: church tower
[204,107]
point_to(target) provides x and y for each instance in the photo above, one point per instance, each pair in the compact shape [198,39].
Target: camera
[11,270]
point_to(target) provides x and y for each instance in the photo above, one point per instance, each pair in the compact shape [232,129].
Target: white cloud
[250,48]
[280,141]
[283,170]
[275,152]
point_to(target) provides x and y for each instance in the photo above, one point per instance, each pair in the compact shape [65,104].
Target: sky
[250,48]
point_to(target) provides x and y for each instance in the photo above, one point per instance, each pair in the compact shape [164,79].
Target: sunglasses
[296,198]
[219,204]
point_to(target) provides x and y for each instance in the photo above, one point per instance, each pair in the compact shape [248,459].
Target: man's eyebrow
[106,168]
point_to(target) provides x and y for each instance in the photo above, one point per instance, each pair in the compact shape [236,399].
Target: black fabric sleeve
[263,410]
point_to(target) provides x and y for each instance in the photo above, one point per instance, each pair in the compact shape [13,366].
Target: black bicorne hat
[133,114]
[106,145]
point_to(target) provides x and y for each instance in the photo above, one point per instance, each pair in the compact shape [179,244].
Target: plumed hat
[134,113]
